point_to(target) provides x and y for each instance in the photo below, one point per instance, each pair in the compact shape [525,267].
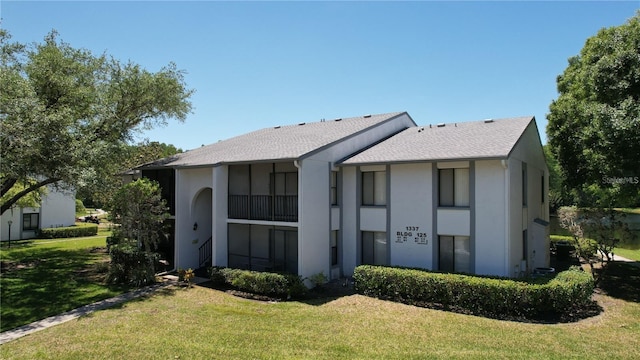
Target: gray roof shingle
[274,143]
[465,140]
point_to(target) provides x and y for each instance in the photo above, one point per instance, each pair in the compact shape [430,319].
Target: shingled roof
[456,141]
[275,143]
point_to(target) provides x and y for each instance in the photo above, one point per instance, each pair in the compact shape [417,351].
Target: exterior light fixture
[195,226]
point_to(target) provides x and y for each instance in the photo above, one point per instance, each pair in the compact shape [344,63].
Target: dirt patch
[9,266]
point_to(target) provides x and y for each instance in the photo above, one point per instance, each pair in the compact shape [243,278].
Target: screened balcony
[263,192]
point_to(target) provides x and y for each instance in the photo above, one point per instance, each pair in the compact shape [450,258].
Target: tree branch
[7,184]
[6,206]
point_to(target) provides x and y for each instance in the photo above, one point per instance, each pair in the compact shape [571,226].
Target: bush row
[69,231]
[280,285]
[494,297]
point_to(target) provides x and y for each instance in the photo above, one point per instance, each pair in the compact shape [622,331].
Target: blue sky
[261,64]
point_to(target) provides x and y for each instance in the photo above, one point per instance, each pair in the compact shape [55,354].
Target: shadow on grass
[315,297]
[621,280]
[40,282]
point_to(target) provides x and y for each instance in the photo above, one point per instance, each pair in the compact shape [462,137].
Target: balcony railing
[286,208]
[264,207]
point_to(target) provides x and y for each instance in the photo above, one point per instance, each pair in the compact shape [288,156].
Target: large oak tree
[594,124]
[67,114]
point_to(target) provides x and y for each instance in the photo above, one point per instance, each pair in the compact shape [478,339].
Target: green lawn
[41,278]
[202,323]
[633,254]
[629,210]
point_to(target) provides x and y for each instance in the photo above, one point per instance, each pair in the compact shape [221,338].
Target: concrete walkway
[24,330]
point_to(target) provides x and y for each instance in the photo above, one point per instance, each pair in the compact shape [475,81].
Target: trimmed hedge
[281,285]
[494,297]
[69,231]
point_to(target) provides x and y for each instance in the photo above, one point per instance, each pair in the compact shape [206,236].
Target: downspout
[507,247]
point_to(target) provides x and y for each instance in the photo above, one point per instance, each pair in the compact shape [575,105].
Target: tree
[67,114]
[596,232]
[557,193]
[139,212]
[594,124]
[98,189]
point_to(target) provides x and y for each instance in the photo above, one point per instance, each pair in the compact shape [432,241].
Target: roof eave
[414,161]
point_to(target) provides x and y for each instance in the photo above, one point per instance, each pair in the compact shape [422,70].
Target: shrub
[131,265]
[281,285]
[216,275]
[69,231]
[80,209]
[317,280]
[495,297]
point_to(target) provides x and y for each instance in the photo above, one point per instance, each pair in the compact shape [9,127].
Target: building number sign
[412,233]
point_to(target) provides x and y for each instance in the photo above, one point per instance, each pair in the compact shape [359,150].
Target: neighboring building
[330,195]
[57,209]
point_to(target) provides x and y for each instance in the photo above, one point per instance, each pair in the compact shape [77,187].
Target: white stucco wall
[189,184]
[411,215]
[58,208]
[220,215]
[15,217]
[349,226]
[529,150]
[491,245]
[335,218]
[373,218]
[314,223]
[455,222]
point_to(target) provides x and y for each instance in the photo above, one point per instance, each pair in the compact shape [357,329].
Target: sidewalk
[24,330]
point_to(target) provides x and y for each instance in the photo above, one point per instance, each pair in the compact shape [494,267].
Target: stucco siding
[314,218]
[349,225]
[411,217]
[491,218]
[58,208]
[373,219]
[219,215]
[189,183]
[454,222]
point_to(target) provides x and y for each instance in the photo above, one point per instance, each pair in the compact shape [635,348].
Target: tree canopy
[67,114]
[594,124]
[98,189]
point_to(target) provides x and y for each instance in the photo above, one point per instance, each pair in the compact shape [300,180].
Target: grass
[202,323]
[632,254]
[629,210]
[41,278]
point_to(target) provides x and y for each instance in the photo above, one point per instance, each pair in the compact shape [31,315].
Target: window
[374,188]
[454,254]
[334,247]
[524,184]
[453,187]
[30,221]
[374,248]
[262,248]
[334,188]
